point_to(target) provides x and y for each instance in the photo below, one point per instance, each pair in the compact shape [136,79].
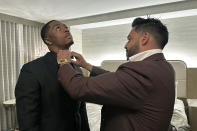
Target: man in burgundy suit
[140,95]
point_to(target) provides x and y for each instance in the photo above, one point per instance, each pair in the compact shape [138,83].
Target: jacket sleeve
[97,71]
[27,93]
[116,89]
[82,110]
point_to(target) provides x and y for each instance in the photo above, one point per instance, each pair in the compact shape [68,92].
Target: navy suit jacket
[42,104]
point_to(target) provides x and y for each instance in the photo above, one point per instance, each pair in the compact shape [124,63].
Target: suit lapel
[51,64]
[76,68]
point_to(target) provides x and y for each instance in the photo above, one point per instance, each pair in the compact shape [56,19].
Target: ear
[144,38]
[48,41]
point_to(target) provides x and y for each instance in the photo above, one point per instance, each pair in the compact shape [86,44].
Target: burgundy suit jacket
[139,96]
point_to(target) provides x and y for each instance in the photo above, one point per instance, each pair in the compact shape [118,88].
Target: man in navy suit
[42,104]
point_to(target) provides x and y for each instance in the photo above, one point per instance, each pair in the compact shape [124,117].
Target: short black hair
[45,30]
[155,27]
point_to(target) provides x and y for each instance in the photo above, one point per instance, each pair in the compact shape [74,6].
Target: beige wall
[103,43]
[77,38]
[107,43]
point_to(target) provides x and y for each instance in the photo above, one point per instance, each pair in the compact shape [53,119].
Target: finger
[75,57]
[75,54]
[74,62]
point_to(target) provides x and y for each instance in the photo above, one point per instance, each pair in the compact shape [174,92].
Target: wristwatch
[63,61]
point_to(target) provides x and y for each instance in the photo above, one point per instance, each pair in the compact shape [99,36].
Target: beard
[132,50]
[68,45]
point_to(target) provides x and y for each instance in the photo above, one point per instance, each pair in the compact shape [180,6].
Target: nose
[65,29]
[125,46]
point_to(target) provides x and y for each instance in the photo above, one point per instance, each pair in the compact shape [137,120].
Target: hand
[80,61]
[63,54]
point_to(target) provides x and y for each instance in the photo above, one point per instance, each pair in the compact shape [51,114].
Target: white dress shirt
[142,55]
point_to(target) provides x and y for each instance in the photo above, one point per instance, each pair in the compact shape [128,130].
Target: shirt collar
[142,55]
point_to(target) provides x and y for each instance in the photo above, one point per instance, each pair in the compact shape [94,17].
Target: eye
[57,28]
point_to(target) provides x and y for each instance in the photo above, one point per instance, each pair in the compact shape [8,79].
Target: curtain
[31,45]
[9,68]
[19,44]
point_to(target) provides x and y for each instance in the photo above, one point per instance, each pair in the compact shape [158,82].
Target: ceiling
[45,10]
[162,16]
